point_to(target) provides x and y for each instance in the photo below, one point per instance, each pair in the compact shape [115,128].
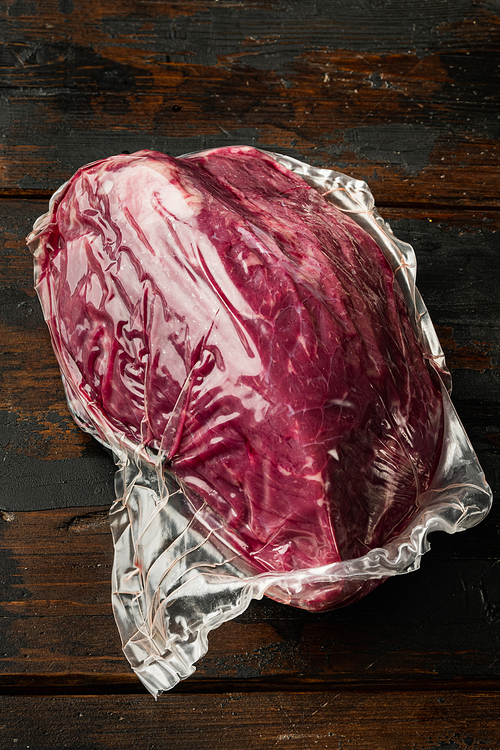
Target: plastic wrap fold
[186,560]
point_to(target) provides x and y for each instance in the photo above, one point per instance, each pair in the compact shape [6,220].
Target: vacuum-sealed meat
[221,317]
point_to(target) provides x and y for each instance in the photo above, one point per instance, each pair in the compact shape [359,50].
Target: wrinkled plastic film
[183,583]
[178,570]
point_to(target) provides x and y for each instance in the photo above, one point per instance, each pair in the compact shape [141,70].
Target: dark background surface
[404,95]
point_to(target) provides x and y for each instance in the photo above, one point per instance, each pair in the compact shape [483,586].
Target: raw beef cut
[219,310]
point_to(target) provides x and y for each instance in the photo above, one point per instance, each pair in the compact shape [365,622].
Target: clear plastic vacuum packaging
[244,332]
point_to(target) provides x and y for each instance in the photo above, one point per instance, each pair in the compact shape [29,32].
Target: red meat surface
[218,309]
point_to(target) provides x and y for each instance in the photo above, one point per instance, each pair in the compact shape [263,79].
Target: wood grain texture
[402,94]
[334,721]
[437,624]
[50,462]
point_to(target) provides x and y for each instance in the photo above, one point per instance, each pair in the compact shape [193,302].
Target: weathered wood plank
[335,721]
[49,461]
[401,96]
[463,301]
[438,623]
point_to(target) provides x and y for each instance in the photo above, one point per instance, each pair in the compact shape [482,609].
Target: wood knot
[87,522]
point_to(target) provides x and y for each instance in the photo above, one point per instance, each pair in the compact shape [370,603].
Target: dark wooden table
[402,94]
